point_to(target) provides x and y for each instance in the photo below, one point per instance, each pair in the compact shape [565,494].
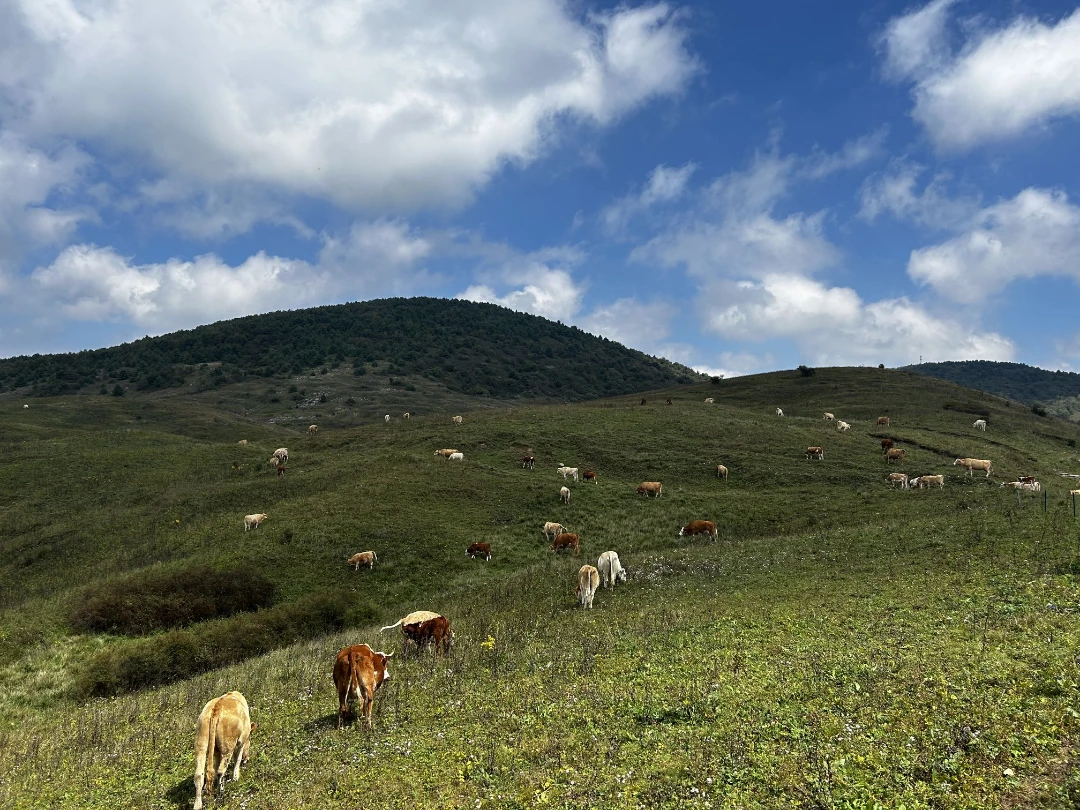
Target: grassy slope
[833,646]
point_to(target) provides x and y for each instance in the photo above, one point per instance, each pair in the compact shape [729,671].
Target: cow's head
[621,576]
[382,671]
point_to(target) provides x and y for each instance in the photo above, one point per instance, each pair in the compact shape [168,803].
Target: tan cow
[842,426]
[898,479]
[564,494]
[815,452]
[883,420]
[312,430]
[458,420]
[709,400]
[926,481]
[721,471]
[651,489]
[588,582]
[254,521]
[242,442]
[368,558]
[892,453]
[224,728]
[974,464]
[828,417]
[446,452]
[358,672]
[553,530]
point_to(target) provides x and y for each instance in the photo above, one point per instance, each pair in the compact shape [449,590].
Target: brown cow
[281,471]
[479,550]
[567,540]
[652,489]
[528,462]
[894,453]
[668,402]
[883,420]
[368,558]
[886,444]
[433,631]
[643,401]
[589,475]
[815,452]
[706,527]
[224,727]
[358,672]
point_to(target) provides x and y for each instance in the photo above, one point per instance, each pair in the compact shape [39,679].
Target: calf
[224,728]
[479,550]
[842,426]
[883,420]
[368,558]
[611,570]
[358,672]
[828,417]
[694,527]
[566,540]
[588,582]
[456,457]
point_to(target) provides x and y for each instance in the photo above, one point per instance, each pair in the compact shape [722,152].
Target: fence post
[1044,501]
[1018,496]
[1074,505]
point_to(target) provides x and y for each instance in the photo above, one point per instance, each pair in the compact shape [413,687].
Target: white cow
[456,457]
[828,417]
[254,521]
[842,426]
[979,424]
[709,400]
[611,570]
[779,412]
[387,419]
[564,493]
[588,582]
[457,420]
[553,530]
[568,471]
[282,455]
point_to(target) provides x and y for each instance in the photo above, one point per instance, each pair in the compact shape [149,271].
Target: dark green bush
[1038,409]
[181,654]
[162,601]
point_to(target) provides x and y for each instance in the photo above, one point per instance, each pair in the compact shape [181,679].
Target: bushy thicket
[1014,381]
[162,601]
[182,654]
[474,349]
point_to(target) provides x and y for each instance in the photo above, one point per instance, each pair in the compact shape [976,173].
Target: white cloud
[834,326]
[640,325]
[665,185]
[999,85]
[373,106]
[1035,233]
[894,192]
[550,293]
[852,154]
[738,364]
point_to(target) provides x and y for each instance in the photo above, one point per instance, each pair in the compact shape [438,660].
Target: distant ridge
[471,348]
[1014,381]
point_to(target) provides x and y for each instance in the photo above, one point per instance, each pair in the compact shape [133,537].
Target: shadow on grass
[328,722]
[182,794]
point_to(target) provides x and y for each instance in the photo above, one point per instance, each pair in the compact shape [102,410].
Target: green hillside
[843,644]
[1013,381]
[478,350]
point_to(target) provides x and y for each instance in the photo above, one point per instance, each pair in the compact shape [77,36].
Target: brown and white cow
[553,530]
[588,582]
[423,627]
[894,453]
[815,452]
[446,452]
[695,527]
[457,420]
[566,540]
[358,672]
[312,430]
[368,558]
[589,475]
[927,481]
[223,729]
[528,463]
[898,479]
[479,550]
[650,489]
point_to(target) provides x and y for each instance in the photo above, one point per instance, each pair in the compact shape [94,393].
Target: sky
[736,186]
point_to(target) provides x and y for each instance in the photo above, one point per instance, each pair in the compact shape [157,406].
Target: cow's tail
[391,626]
[204,752]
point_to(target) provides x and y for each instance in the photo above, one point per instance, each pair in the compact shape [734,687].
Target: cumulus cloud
[550,293]
[640,325]
[834,326]
[1035,233]
[373,106]
[1000,84]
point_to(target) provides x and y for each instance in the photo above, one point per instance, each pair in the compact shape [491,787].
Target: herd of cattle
[225,726]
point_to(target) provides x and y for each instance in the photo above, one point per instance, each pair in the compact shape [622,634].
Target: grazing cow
[898,479]
[842,426]
[709,400]
[1027,479]
[386,419]
[589,475]
[926,481]
[358,672]
[1074,492]
[281,471]
[368,558]
[528,463]
[721,471]
[979,424]
[406,416]
[564,494]
[779,412]
[423,627]
[253,521]
[653,489]
[446,452]
[668,402]
[566,540]
[553,530]
[242,442]
[282,455]
[224,728]
[694,527]
[457,420]
[828,417]
[974,464]
[456,457]
[643,401]
[27,406]
[1030,485]
[883,420]
[568,471]
[815,452]
[886,444]
[611,570]
[894,453]
[479,550]
[588,580]
[312,430]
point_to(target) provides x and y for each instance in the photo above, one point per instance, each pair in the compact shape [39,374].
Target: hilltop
[1056,391]
[470,349]
[842,643]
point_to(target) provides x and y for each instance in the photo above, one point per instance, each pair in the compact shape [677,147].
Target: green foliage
[806,371]
[157,601]
[1018,381]
[1038,410]
[118,390]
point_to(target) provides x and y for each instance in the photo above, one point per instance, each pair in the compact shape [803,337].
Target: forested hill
[474,349]
[1014,381]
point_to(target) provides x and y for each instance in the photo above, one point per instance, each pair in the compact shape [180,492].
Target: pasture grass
[842,645]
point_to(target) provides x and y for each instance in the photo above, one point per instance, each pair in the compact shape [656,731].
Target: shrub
[1038,409]
[182,654]
[118,391]
[167,600]
[806,371]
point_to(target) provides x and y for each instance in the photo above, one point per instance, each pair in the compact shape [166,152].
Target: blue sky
[740,187]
